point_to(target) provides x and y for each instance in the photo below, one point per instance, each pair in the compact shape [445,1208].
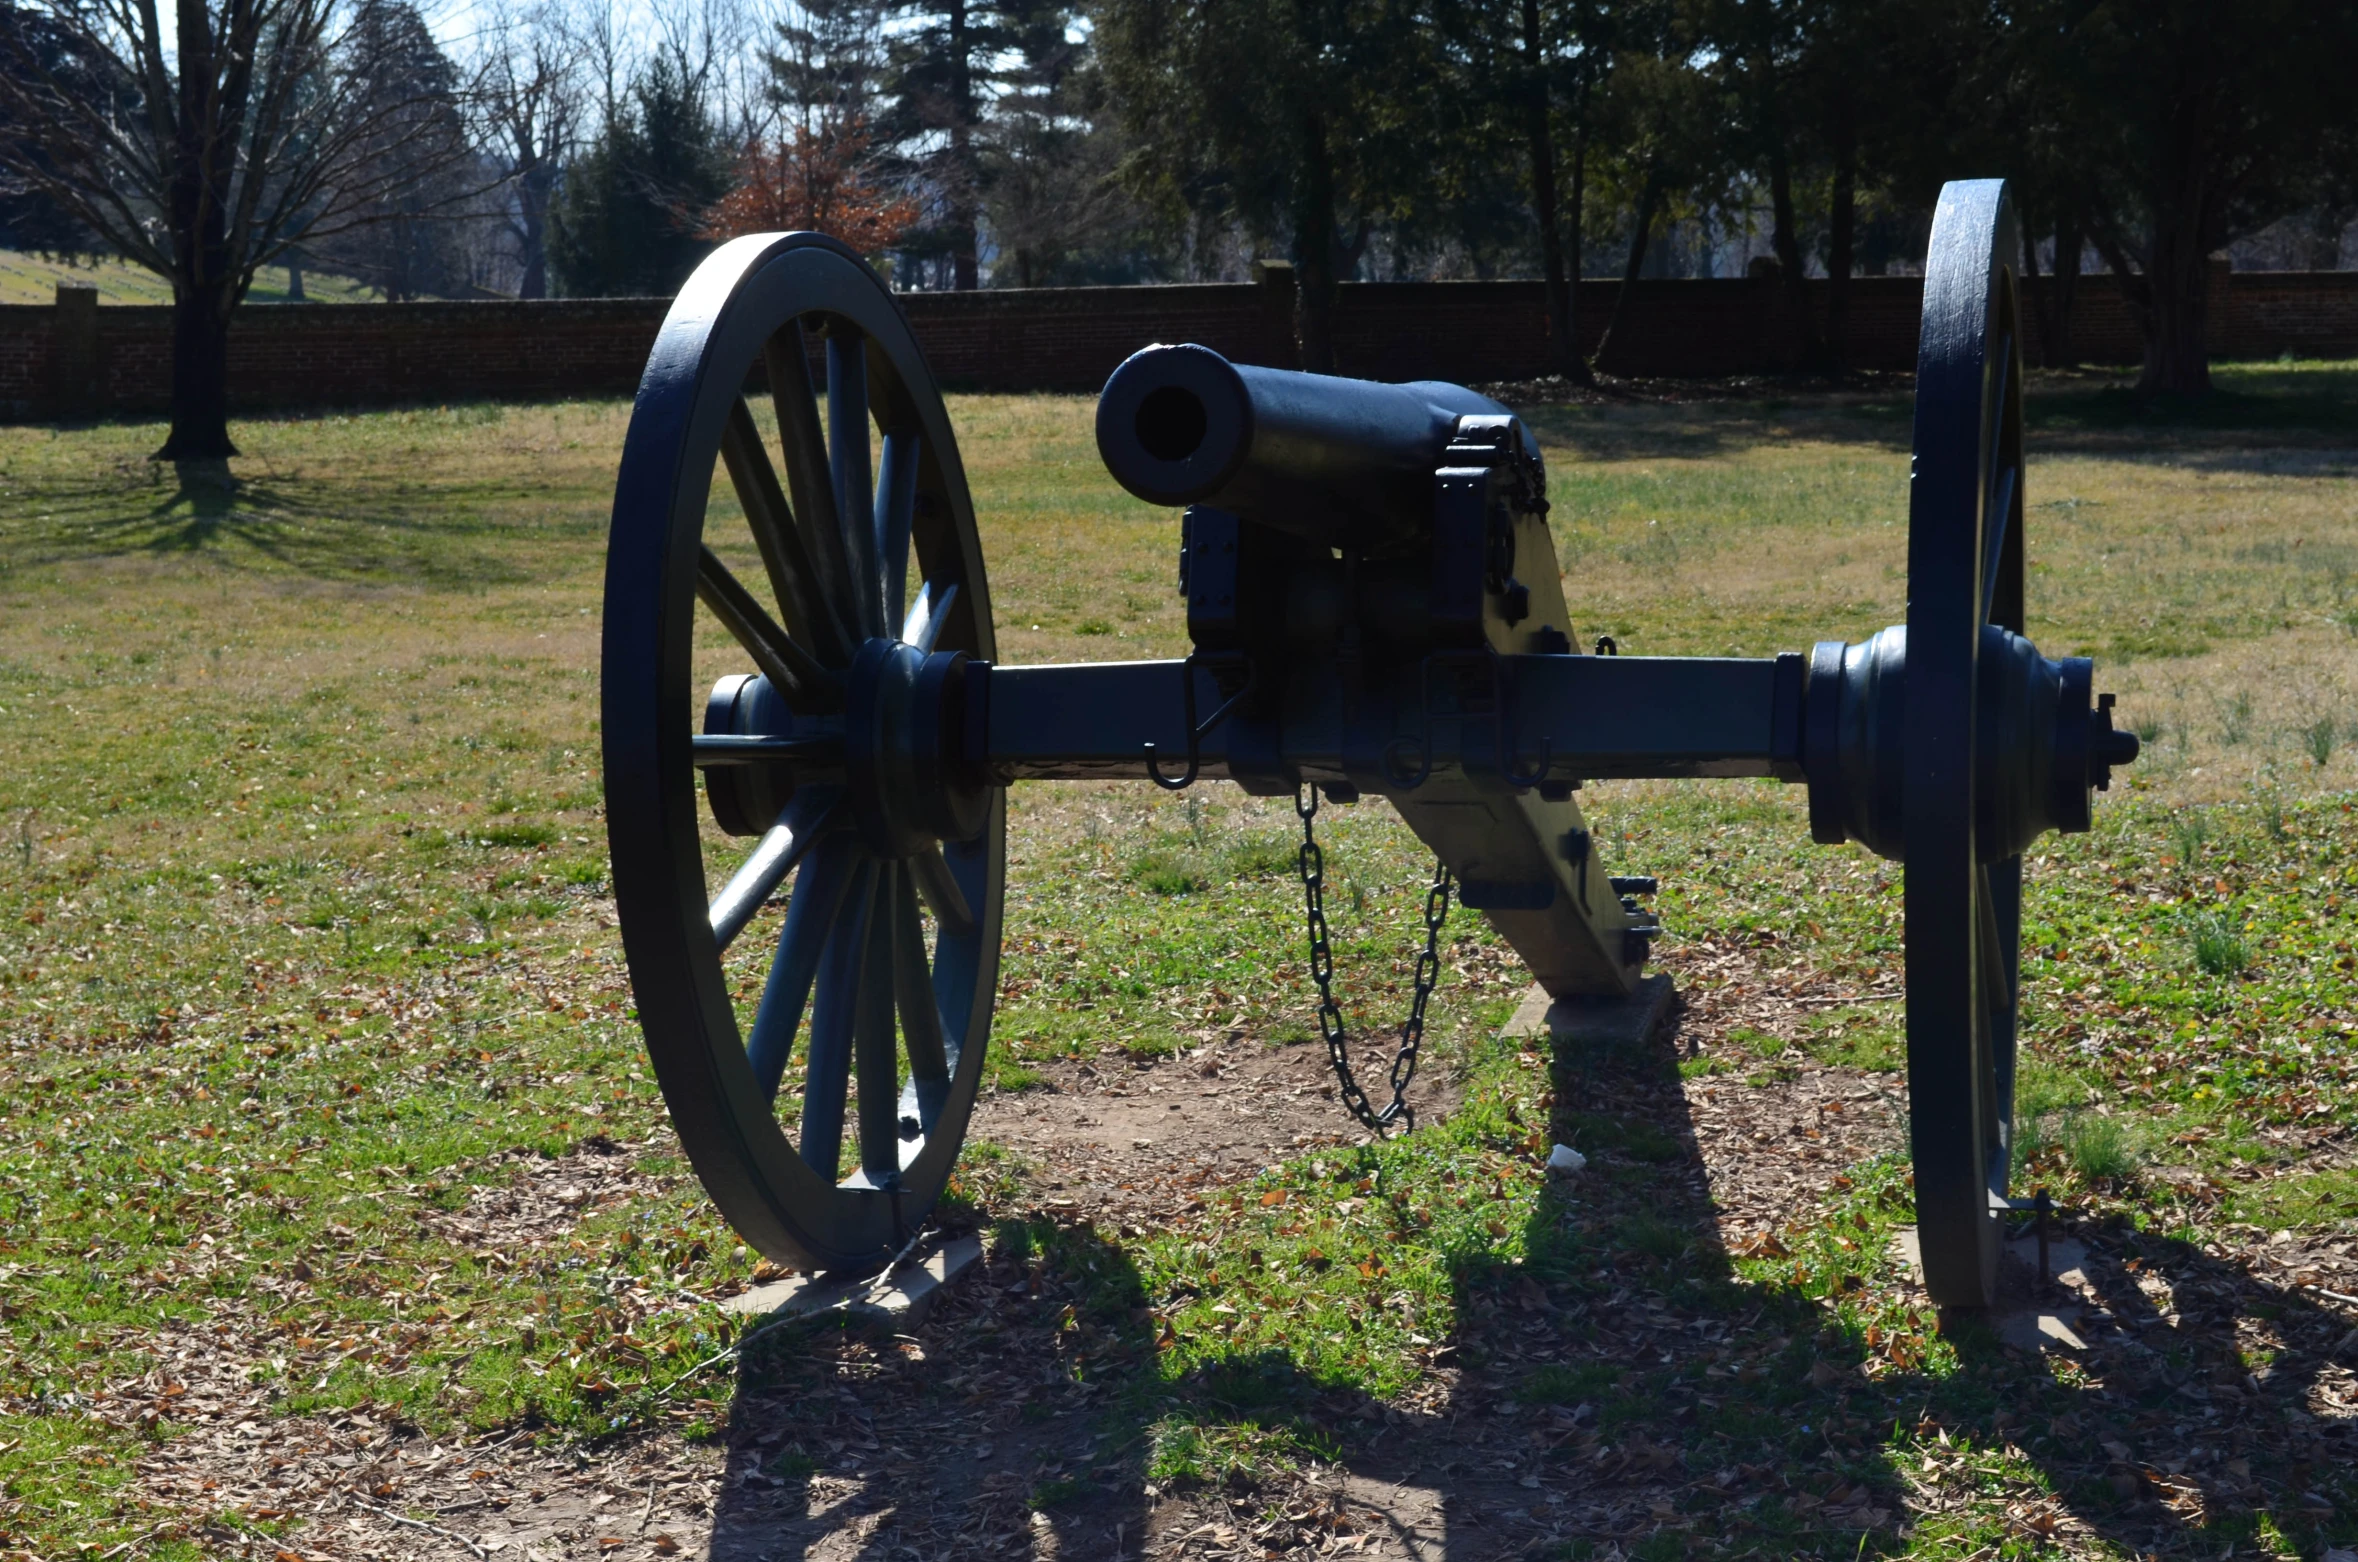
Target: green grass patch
[2326,1199]
[306,958]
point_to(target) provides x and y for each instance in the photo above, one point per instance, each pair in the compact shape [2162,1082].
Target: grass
[27,278]
[2219,947]
[2319,736]
[304,950]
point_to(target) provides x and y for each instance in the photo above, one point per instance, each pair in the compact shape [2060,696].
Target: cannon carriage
[1374,609]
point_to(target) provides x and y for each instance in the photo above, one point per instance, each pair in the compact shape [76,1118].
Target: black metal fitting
[746,798]
[1197,731]
[910,776]
[2042,742]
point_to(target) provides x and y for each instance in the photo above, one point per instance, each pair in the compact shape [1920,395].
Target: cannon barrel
[1331,460]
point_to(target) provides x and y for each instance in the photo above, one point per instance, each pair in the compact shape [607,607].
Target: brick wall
[75,360]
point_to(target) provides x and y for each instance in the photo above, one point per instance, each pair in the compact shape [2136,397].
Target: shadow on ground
[314,529]
[1628,1390]
[2074,411]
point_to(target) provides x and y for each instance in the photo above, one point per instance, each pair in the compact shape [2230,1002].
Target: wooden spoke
[810,917]
[1994,546]
[921,1016]
[796,674]
[848,464]
[923,626]
[808,478]
[878,1052]
[896,515]
[2000,987]
[834,1023]
[940,888]
[794,575]
[800,823]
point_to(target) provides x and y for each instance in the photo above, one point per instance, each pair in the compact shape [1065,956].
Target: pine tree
[940,75]
[405,243]
[631,216]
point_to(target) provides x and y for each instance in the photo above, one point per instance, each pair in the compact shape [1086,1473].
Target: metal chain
[1322,971]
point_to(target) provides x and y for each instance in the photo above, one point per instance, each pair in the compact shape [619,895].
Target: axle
[1362,624]
[1565,719]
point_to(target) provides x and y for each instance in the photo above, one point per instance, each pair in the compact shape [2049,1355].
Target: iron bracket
[1196,731]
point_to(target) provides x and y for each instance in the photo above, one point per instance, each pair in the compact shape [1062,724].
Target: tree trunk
[1578,217]
[202,291]
[2035,294]
[1563,346]
[1649,198]
[2325,237]
[200,377]
[2178,304]
[1842,224]
[2169,289]
[965,242]
[2068,239]
[1314,249]
[1788,247]
[295,281]
[532,212]
[2051,295]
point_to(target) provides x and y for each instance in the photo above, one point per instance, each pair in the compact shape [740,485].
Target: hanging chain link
[1322,971]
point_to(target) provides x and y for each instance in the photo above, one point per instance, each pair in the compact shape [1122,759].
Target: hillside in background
[32,279]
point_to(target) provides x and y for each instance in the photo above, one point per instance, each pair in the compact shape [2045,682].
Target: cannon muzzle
[1337,462]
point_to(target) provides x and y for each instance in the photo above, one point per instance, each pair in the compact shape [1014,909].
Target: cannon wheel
[1963,911]
[892,950]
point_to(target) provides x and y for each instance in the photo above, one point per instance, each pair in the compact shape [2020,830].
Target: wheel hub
[904,749]
[2042,743]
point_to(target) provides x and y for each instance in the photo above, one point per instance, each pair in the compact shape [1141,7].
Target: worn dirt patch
[972,1439]
[544,1198]
[1133,1143]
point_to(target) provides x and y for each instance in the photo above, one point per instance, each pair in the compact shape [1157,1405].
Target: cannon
[1375,609]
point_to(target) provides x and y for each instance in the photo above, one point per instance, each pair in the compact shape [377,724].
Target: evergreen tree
[629,219]
[940,76]
[406,242]
[1053,200]
[1299,120]
[31,47]
[828,64]
[2183,126]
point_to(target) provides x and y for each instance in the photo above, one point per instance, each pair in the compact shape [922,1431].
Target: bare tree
[238,129]
[529,105]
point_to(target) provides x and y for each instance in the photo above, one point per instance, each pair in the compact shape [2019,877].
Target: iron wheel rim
[757,297]
[1962,913]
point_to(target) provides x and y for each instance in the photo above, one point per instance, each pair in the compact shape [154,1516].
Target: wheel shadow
[1617,1384]
[1789,1406]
